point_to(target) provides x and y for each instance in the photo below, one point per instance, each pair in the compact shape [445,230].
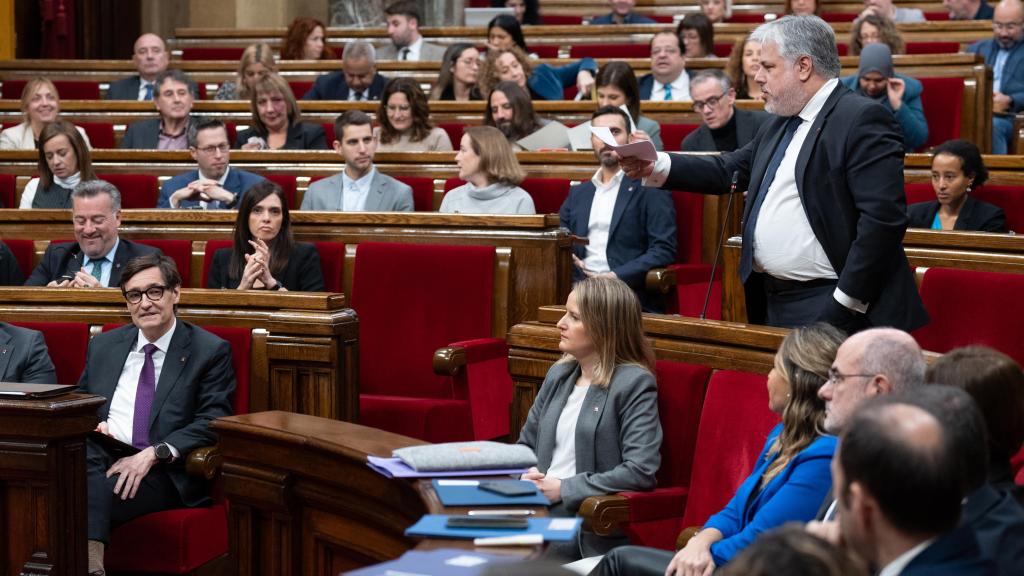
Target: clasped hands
[257,267]
[131,469]
[550,487]
[202,190]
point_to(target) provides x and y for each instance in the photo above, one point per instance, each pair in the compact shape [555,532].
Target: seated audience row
[40,103]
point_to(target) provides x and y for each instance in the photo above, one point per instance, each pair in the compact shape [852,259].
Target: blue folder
[474,496]
[433,526]
[440,562]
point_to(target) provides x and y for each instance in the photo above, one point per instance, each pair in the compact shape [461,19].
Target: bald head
[1006,22]
[150,56]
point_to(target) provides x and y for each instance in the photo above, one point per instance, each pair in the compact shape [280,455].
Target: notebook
[34,391]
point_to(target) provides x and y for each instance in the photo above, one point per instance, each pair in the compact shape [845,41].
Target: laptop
[483,16]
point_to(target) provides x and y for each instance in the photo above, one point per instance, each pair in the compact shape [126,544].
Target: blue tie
[149,92]
[668,92]
[747,252]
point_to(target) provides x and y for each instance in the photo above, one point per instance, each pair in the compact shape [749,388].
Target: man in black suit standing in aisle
[825,209]
[164,381]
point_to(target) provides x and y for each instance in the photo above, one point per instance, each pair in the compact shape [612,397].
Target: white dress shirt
[599,226]
[680,89]
[563,459]
[354,192]
[142,90]
[414,50]
[895,568]
[108,264]
[121,417]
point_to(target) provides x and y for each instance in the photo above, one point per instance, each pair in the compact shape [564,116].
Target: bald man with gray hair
[357,81]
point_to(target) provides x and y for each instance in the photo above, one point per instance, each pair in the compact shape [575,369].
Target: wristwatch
[163,452]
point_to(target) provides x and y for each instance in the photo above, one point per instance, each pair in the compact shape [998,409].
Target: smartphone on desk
[509,487]
[495,522]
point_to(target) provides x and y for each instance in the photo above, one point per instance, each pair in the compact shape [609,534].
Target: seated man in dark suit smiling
[630,228]
[164,381]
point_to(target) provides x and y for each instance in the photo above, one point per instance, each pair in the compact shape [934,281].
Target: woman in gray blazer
[594,425]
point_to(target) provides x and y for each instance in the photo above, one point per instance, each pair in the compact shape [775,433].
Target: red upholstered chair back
[971,307]
[179,250]
[299,88]
[413,299]
[942,100]
[672,135]
[936,15]
[138,191]
[838,16]
[288,186]
[681,389]
[23,251]
[240,340]
[558,19]
[639,50]
[67,89]
[689,226]
[734,424]
[723,49]
[543,51]
[933,47]
[212,53]
[454,131]
[329,135]
[332,264]
[548,193]
[232,131]
[746,18]
[101,134]
[918,192]
[67,343]
[8,185]
[211,247]
[452,183]
[422,191]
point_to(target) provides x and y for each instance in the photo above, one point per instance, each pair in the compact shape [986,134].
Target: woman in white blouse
[64,161]
[40,104]
[594,424]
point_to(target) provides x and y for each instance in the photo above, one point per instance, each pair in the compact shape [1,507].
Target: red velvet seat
[288,186]
[561,20]
[933,47]
[211,53]
[446,297]
[672,135]
[329,135]
[971,307]
[299,88]
[332,261]
[747,18]
[67,343]
[178,250]
[101,134]
[23,251]
[942,100]
[422,191]
[182,540]
[67,89]
[232,130]
[943,15]
[548,193]
[637,50]
[544,51]
[8,185]
[1009,198]
[454,131]
[138,191]
[839,16]
[692,274]
[723,49]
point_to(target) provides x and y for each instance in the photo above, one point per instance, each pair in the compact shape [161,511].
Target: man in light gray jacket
[359,187]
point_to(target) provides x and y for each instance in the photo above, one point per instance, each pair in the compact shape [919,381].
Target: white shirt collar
[895,567]
[414,49]
[221,180]
[614,183]
[361,183]
[815,104]
[162,343]
[682,81]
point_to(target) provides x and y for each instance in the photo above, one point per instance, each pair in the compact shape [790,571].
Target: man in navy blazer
[630,228]
[169,131]
[215,185]
[1004,54]
[668,79]
[164,381]
[357,81]
[24,357]
[825,211]
[622,13]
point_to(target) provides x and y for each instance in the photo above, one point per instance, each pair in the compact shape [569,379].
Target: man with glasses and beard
[724,127]
[1004,54]
[630,228]
[164,381]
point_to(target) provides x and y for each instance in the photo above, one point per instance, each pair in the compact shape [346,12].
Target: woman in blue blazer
[790,478]
[544,82]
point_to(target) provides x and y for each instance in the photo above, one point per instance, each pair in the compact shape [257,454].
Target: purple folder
[395,468]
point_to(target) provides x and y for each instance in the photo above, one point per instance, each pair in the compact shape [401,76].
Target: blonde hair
[611,313]
[489,76]
[30,89]
[268,85]
[254,54]
[497,159]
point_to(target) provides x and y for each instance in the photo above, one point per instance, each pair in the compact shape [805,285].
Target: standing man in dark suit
[724,127]
[357,81]
[164,382]
[1004,54]
[24,357]
[169,131]
[96,257]
[630,228]
[825,210]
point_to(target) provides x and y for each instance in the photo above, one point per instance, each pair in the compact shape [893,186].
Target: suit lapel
[340,201]
[744,128]
[177,356]
[373,196]
[811,141]
[105,377]
[586,424]
[966,214]
[627,192]
[6,351]
[120,258]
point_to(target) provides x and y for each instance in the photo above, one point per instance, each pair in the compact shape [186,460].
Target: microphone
[721,239]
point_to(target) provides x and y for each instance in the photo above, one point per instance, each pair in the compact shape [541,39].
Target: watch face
[163,452]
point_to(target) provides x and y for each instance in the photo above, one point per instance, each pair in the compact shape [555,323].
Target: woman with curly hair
[306,39]
[404,118]
[871,29]
[543,81]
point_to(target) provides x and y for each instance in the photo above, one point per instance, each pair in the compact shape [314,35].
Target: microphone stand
[721,239]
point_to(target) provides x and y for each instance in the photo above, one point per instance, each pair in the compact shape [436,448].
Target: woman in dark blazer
[594,424]
[265,256]
[789,481]
[957,168]
[277,121]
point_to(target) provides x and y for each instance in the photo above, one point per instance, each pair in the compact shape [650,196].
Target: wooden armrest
[660,280]
[685,534]
[603,514]
[204,462]
[448,361]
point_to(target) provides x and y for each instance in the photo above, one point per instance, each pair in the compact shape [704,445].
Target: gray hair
[93,188]
[797,36]
[896,356]
[713,74]
[358,50]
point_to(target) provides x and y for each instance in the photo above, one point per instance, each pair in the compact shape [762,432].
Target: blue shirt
[108,264]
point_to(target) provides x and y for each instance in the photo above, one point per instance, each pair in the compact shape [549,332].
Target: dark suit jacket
[145,134]
[1013,71]
[302,273]
[238,181]
[10,270]
[66,258]
[333,87]
[954,553]
[849,175]
[974,215]
[23,356]
[301,136]
[631,18]
[748,122]
[998,524]
[128,89]
[646,85]
[195,387]
[642,234]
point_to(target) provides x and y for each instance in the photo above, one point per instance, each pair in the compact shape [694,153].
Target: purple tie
[144,400]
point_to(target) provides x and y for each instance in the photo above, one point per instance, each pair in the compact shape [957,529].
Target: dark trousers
[107,510]
[790,304]
[634,561]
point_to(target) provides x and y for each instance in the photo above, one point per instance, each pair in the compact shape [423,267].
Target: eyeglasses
[700,105]
[1008,26]
[835,376]
[222,148]
[154,293]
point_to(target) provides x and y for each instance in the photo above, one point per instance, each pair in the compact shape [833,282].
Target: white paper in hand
[642,149]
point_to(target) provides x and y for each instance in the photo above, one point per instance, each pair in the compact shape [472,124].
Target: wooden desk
[304,348]
[42,484]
